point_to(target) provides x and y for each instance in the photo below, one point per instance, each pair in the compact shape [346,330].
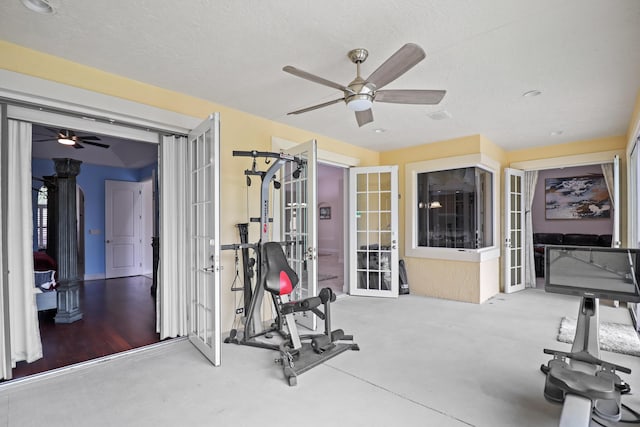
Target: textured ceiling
[583,55]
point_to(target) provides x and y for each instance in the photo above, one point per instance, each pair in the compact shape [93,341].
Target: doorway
[331,227]
[118,313]
[595,228]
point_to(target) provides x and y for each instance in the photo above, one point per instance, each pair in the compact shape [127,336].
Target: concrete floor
[423,362]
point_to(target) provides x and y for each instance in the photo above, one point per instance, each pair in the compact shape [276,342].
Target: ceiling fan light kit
[69,137]
[360,94]
[66,141]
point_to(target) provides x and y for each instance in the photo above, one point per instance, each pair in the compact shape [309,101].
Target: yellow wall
[576,148]
[568,149]
[239,131]
[634,123]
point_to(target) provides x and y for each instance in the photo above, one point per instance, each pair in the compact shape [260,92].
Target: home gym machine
[298,353]
[587,386]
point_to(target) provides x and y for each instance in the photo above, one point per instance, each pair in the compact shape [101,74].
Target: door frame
[330,158]
[37,100]
[596,158]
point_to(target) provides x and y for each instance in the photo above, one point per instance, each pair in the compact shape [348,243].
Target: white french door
[373,231]
[298,216]
[514,279]
[203,196]
[122,228]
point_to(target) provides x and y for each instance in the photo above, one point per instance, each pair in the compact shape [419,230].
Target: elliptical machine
[586,385]
[298,353]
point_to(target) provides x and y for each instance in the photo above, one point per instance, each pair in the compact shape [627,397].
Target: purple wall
[586,226]
[330,194]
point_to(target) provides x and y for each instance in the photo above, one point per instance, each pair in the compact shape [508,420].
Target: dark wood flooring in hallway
[118,315]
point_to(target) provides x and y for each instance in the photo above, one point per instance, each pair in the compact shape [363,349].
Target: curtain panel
[173,267]
[23,313]
[530,181]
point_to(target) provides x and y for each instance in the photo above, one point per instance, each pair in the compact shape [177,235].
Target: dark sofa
[540,240]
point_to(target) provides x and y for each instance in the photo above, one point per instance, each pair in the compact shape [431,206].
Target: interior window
[455,208]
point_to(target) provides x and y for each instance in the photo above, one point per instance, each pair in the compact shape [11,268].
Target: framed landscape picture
[580,197]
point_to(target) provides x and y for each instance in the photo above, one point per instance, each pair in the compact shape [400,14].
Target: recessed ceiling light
[379,130]
[40,6]
[532,93]
[440,115]
[556,133]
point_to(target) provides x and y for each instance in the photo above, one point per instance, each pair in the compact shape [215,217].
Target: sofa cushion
[574,239]
[547,238]
[605,240]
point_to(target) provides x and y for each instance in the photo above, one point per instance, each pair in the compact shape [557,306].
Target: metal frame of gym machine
[582,382]
[292,363]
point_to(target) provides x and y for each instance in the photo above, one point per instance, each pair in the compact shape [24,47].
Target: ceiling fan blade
[312,77]
[315,107]
[56,132]
[364,117]
[397,64]
[408,96]
[89,138]
[77,145]
[97,144]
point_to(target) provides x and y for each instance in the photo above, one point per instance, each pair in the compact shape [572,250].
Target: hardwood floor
[118,315]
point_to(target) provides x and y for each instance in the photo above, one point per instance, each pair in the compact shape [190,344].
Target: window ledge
[455,254]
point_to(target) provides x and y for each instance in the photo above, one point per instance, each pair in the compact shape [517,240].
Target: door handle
[311,253]
[108,241]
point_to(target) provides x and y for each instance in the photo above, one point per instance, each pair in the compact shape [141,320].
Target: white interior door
[514,231]
[299,224]
[373,229]
[122,229]
[203,290]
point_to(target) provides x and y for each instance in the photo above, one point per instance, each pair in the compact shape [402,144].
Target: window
[452,208]
[41,219]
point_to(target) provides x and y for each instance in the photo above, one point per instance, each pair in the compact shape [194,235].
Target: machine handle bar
[583,356]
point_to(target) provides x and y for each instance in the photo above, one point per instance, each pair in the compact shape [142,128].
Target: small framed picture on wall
[325,212]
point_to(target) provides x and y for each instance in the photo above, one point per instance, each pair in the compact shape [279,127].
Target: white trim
[95,276]
[324,156]
[455,254]
[61,120]
[567,161]
[58,96]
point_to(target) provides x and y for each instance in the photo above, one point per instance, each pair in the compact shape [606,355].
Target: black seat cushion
[605,240]
[548,238]
[278,277]
[581,240]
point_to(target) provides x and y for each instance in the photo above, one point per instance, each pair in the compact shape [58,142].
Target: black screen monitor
[597,272]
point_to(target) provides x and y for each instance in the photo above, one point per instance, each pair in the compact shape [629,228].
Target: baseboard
[98,276]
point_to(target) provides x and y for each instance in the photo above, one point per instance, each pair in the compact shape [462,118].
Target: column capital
[66,168]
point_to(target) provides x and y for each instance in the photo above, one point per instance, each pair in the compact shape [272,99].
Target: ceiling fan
[360,94]
[69,137]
